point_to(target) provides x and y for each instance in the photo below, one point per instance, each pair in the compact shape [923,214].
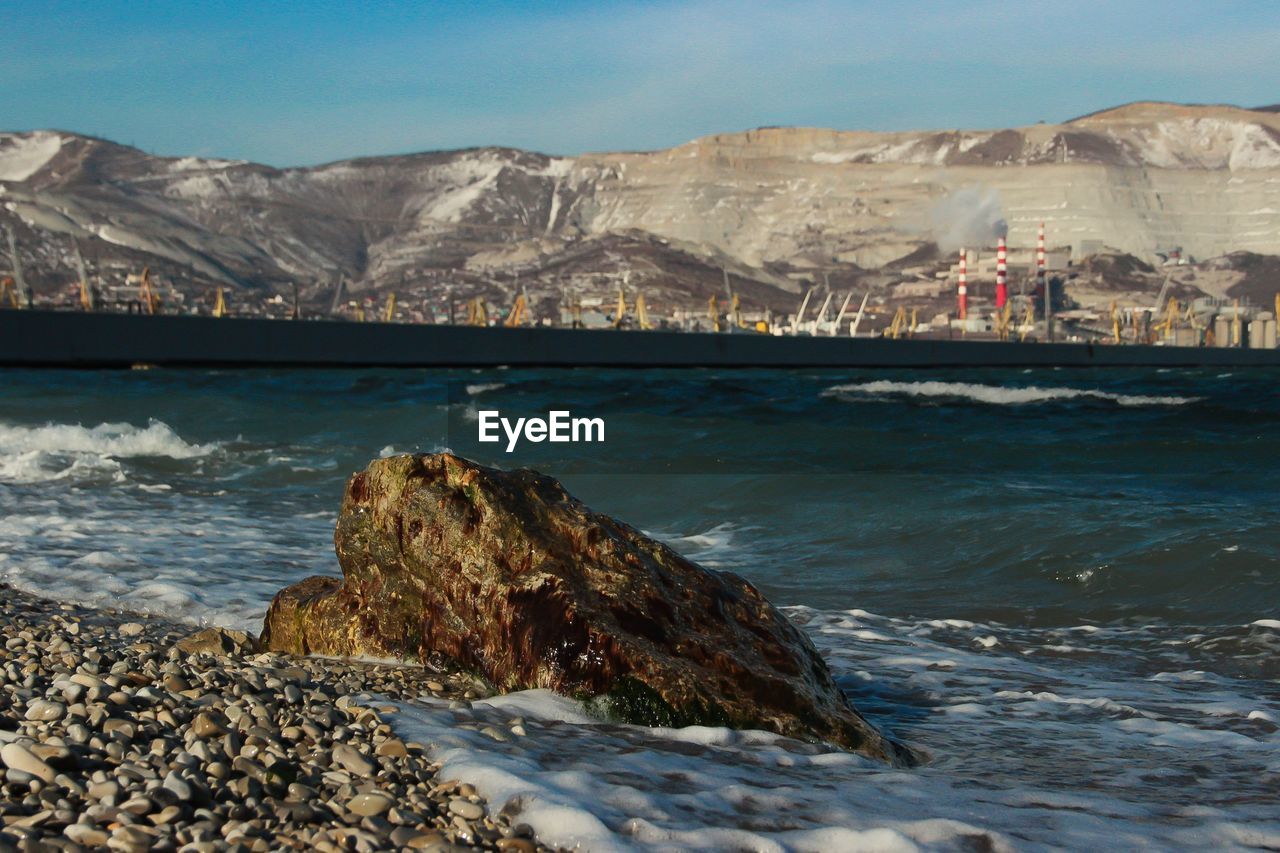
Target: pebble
[179,786]
[89,836]
[44,711]
[157,745]
[102,790]
[466,809]
[392,748]
[204,727]
[351,759]
[374,803]
[125,728]
[18,757]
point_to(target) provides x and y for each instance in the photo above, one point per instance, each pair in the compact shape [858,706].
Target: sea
[1063,586]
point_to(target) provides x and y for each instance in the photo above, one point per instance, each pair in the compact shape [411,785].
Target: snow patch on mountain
[1203,143]
[469,179]
[201,164]
[22,155]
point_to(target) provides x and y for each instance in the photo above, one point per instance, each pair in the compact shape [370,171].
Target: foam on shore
[1038,740]
[997,395]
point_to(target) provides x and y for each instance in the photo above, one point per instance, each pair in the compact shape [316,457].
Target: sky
[290,84]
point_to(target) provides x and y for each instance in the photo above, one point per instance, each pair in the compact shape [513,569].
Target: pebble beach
[130,733]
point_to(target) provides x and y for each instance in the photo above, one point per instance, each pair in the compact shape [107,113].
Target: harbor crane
[804,303]
[620,310]
[147,294]
[642,313]
[86,295]
[517,315]
[844,306]
[477,312]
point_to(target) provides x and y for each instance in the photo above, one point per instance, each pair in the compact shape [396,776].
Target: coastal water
[1063,585]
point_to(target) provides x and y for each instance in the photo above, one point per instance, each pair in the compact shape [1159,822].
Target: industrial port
[987,303]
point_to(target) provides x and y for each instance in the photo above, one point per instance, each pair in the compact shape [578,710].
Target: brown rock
[218,641]
[510,576]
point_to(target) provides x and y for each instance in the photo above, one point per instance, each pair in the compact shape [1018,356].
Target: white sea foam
[71,451]
[997,395]
[482,387]
[714,547]
[1029,750]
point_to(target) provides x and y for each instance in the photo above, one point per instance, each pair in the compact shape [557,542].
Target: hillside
[777,207]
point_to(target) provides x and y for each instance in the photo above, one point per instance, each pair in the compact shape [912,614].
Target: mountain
[774,207]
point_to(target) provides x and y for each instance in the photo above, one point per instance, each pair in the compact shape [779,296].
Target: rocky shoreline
[116,733]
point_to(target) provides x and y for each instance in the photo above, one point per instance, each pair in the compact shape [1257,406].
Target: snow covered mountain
[774,206]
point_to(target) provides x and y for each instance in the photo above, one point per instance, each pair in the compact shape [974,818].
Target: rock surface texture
[509,576]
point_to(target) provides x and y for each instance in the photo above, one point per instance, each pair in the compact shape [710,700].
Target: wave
[74,452]
[593,785]
[714,547]
[476,390]
[998,395]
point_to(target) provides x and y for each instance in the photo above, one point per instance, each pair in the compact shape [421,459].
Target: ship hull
[70,339]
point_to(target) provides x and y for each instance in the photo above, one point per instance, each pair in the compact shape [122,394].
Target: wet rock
[218,641]
[466,809]
[511,577]
[373,803]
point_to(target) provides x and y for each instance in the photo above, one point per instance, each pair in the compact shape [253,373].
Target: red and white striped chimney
[962,293]
[1002,287]
[1040,260]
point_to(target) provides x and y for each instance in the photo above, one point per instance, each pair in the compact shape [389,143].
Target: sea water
[1064,586]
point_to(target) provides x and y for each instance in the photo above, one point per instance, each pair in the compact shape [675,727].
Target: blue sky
[300,83]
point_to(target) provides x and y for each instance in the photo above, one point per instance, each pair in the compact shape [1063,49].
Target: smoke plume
[970,217]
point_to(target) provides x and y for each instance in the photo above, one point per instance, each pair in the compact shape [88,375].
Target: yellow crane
[620,311]
[1170,322]
[713,313]
[516,316]
[146,293]
[642,312]
[1235,326]
[86,297]
[390,313]
[1115,322]
[911,332]
[220,304]
[1003,321]
[9,293]
[477,312]
[735,311]
[898,321]
[1028,321]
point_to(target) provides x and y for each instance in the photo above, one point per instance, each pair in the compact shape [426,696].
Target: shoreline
[113,736]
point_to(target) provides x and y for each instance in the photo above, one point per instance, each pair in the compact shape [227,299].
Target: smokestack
[1040,262]
[1042,280]
[962,292]
[1002,288]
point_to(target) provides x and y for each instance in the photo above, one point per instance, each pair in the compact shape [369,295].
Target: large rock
[513,578]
